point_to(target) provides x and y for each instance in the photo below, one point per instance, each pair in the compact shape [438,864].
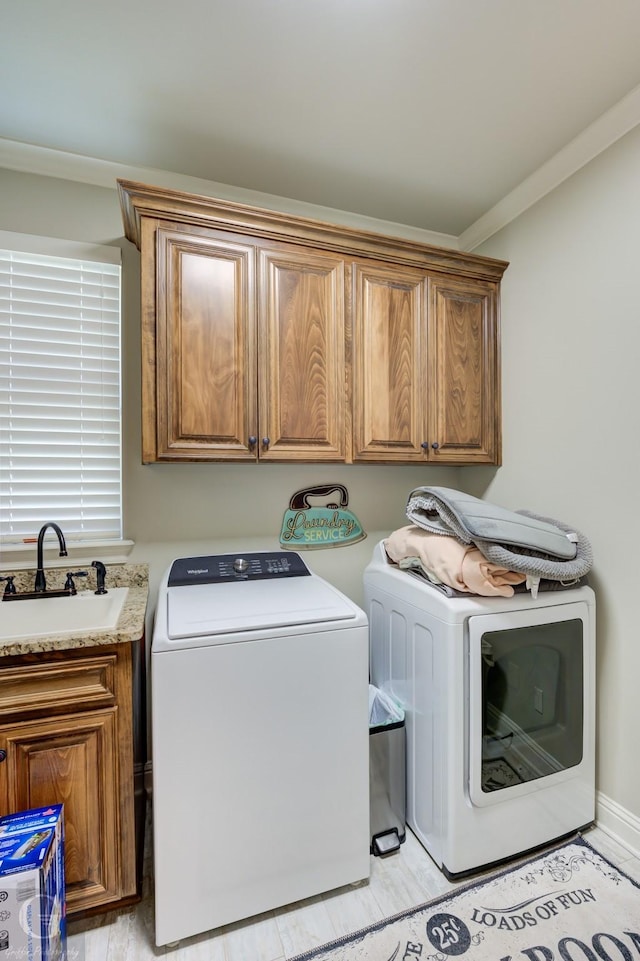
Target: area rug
[569,904]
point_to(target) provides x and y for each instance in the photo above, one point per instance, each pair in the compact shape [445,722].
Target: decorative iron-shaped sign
[316,519]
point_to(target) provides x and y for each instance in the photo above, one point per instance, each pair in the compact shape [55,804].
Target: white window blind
[60,409]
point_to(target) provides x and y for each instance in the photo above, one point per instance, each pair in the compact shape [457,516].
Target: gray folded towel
[521,541]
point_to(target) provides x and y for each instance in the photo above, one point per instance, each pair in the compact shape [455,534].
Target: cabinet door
[389,358]
[464,389]
[71,760]
[301,355]
[205,348]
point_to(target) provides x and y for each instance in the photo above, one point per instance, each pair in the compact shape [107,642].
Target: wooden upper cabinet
[301,355]
[271,337]
[205,348]
[426,377]
[389,357]
[249,349]
[464,386]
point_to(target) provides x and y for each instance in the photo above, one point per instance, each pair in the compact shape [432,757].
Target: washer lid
[211,609]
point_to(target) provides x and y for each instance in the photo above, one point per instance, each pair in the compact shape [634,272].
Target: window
[60,408]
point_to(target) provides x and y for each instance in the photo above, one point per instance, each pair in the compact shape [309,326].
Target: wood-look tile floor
[400,881]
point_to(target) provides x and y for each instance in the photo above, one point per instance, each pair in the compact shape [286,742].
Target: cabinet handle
[265,441]
[425,445]
[435,446]
[11,587]
[253,441]
[3,756]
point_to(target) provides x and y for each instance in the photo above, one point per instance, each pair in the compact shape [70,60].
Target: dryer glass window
[532,702]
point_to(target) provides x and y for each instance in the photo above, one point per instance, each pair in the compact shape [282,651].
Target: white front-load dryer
[259,672]
[499,697]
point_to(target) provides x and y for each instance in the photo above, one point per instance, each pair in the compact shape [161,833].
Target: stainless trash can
[387,773]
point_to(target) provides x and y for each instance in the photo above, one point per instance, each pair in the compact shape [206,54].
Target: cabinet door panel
[73,761]
[301,331]
[65,685]
[390,385]
[464,403]
[205,348]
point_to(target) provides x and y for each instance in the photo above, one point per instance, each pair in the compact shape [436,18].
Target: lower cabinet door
[71,760]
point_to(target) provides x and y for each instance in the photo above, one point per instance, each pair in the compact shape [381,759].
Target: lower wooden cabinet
[66,736]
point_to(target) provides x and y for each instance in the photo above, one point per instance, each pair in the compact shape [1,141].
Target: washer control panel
[222,568]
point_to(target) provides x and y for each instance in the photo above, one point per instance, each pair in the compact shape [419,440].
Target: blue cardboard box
[32,889]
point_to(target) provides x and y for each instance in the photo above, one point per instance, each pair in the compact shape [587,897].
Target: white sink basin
[82,612]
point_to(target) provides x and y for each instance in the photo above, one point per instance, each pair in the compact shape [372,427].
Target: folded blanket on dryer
[444,560]
[521,541]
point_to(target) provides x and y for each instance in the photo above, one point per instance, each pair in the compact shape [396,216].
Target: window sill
[14,557]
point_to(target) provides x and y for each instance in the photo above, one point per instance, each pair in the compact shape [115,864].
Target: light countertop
[130,624]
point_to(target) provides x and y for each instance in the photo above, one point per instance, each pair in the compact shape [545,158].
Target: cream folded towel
[446,561]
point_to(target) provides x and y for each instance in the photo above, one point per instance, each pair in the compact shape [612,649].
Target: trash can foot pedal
[385,843]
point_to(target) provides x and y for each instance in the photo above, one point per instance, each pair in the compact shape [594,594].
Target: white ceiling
[419,112]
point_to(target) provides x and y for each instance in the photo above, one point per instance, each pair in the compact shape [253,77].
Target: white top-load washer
[259,672]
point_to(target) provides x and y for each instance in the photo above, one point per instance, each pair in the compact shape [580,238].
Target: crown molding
[46,162]
[594,140]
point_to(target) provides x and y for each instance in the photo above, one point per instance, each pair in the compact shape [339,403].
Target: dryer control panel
[222,568]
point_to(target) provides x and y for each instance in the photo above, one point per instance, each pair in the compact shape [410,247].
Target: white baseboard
[618,823]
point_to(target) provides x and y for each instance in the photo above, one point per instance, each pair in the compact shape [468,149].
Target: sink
[77,614]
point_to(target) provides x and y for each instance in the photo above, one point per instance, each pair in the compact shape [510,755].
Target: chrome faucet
[40,585]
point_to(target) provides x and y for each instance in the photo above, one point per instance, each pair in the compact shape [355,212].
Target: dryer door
[528,685]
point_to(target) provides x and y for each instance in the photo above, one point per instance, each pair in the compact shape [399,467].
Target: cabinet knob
[435,446]
[253,441]
[425,445]
[265,441]
[3,756]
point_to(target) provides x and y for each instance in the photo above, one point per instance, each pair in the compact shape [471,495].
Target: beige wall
[571,344]
[571,376]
